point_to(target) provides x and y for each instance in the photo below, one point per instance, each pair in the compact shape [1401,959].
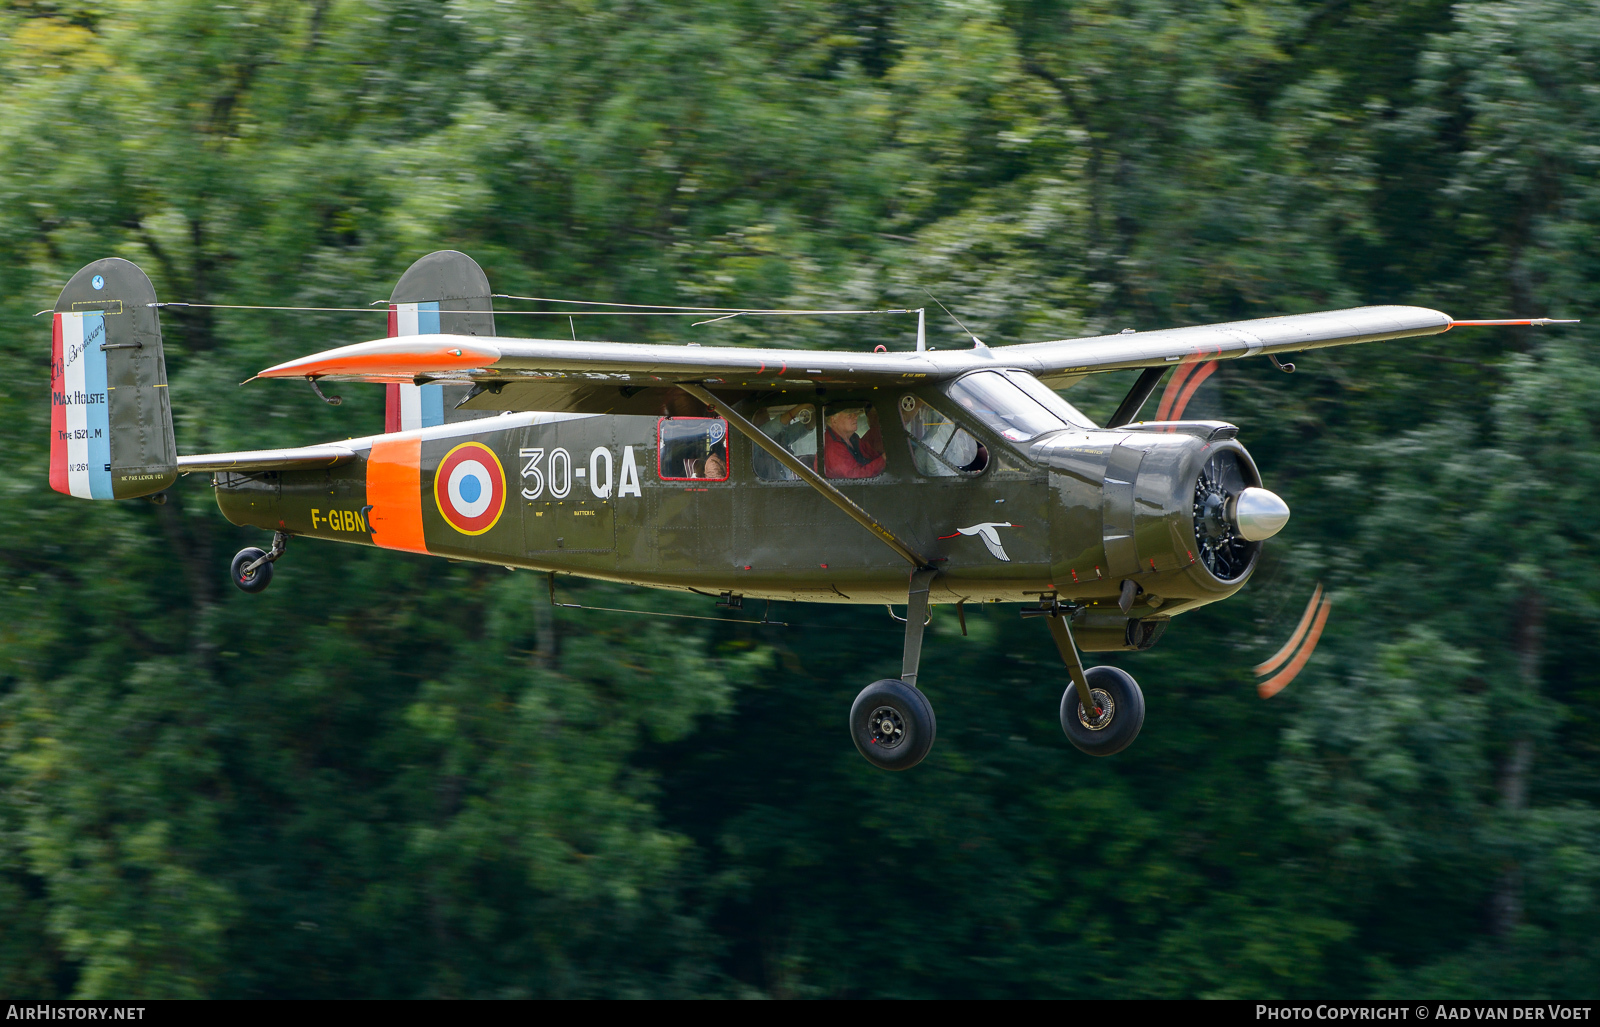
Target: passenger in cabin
[793,428]
[693,447]
[846,453]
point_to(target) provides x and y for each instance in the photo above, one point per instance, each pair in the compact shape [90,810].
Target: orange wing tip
[398,359]
[1535,321]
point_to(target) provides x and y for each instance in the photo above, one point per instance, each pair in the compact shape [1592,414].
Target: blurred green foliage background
[395,776]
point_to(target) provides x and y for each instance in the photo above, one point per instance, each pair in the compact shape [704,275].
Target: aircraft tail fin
[445,291]
[110,417]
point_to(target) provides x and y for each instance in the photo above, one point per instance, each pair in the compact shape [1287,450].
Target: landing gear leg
[1104,709]
[916,620]
[891,720]
[251,569]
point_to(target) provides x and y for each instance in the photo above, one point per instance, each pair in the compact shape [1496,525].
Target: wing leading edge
[496,362]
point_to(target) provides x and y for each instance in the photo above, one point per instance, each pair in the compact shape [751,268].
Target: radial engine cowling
[1178,509]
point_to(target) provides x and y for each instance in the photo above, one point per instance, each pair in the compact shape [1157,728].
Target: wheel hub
[887,726]
[1108,710]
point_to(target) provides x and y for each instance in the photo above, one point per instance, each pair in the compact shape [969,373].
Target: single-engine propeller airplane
[921,478]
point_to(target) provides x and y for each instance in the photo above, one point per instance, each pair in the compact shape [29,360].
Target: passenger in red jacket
[848,455]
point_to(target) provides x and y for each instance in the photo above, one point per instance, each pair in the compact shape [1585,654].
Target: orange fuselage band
[394,490]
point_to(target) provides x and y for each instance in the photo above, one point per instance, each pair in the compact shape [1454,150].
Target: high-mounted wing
[1260,337]
[557,374]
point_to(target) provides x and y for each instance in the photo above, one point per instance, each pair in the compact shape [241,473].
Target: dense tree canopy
[392,776]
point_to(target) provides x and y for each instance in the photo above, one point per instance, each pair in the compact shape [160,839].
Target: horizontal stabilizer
[267,459]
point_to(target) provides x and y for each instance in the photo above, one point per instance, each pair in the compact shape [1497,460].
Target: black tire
[1120,727]
[253,581]
[892,724]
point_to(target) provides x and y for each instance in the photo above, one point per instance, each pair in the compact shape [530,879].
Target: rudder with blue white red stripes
[445,291]
[110,417]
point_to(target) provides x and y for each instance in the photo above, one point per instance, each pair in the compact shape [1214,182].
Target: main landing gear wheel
[248,580]
[1121,712]
[892,724]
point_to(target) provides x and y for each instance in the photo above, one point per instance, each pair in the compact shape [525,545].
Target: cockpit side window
[939,447]
[692,448]
[792,426]
[1015,412]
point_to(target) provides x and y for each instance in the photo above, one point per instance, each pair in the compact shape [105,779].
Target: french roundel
[470,488]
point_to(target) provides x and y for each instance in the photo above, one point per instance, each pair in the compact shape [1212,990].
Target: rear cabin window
[939,447]
[794,427]
[852,442]
[692,448]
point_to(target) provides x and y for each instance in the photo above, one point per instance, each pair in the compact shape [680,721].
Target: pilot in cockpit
[939,448]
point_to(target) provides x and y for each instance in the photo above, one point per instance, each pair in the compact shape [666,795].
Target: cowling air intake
[110,418]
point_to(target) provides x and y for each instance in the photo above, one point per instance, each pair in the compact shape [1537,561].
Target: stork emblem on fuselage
[990,536]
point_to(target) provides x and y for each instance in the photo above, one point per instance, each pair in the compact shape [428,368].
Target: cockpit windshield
[1015,404]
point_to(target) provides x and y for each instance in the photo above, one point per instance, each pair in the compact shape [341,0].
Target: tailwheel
[1120,715]
[250,570]
[892,724]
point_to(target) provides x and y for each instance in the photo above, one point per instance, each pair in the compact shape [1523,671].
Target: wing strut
[807,475]
[1137,395]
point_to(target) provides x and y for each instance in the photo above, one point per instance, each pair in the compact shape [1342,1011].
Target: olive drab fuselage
[1072,514]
